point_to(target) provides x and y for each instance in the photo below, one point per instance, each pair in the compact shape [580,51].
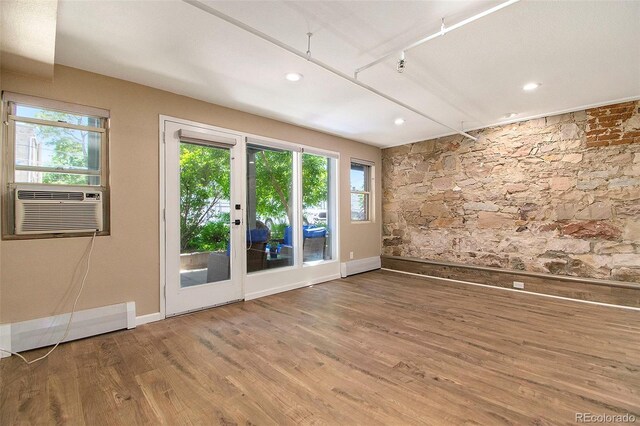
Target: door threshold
[204,308]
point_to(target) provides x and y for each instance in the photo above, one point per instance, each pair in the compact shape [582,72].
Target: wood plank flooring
[376,348]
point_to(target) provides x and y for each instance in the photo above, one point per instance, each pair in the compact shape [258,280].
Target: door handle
[236,222]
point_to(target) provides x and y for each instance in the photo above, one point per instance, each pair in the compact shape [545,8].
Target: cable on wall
[73,310]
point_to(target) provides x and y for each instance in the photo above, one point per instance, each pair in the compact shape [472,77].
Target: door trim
[161,217]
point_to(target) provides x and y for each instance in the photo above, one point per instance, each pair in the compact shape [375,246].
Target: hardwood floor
[376,348]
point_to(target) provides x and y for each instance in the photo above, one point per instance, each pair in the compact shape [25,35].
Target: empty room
[319,212]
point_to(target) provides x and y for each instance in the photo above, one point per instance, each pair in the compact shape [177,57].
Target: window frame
[10,101]
[369,187]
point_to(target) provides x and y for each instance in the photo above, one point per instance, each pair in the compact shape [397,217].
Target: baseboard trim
[146,319]
[353,267]
[608,292]
[288,287]
[5,340]
[40,332]
[593,281]
[325,279]
[131,315]
[551,296]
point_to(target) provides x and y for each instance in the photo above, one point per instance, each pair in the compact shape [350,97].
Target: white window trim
[53,104]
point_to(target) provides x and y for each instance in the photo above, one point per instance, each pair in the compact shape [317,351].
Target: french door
[244,216]
[203,217]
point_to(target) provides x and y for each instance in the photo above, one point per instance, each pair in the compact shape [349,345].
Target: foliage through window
[204,197]
[205,192]
[56,147]
[317,206]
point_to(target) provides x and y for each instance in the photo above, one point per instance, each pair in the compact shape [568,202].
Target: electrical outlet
[351,255]
[518,284]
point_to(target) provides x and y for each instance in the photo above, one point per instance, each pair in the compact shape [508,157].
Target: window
[271,207]
[52,143]
[361,178]
[291,205]
[318,206]
[56,147]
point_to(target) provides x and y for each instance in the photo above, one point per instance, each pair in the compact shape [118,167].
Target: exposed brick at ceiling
[613,124]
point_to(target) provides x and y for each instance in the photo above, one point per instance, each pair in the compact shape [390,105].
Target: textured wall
[559,194]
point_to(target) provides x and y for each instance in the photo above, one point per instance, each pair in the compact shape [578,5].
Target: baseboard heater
[40,332]
[353,267]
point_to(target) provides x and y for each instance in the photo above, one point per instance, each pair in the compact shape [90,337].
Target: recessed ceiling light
[399,121]
[531,86]
[293,76]
[510,115]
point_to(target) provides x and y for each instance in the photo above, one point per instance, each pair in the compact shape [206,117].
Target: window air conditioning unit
[56,211]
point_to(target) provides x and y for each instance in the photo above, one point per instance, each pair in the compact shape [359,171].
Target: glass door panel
[205,232]
[270,214]
[203,236]
[317,208]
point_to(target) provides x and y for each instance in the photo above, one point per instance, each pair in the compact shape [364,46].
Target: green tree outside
[204,183]
[71,147]
[274,174]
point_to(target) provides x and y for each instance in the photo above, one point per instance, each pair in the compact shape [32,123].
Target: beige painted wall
[36,275]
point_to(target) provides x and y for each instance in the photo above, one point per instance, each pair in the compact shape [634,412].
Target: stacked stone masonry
[559,195]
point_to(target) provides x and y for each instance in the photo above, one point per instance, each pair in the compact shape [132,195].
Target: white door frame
[180,300]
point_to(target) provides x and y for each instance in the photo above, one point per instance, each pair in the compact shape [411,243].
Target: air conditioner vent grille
[50,195]
[48,217]
[65,210]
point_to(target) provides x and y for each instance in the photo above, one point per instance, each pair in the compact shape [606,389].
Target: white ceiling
[583,52]
[28,36]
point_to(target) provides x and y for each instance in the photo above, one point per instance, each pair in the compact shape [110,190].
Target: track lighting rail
[443,30]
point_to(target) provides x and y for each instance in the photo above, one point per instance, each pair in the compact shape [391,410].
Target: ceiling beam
[307,56]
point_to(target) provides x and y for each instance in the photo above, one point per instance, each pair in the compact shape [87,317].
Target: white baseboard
[353,267]
[325,279]
[5,340]
[145,319]
[288,287]
[40,332]
[131,315]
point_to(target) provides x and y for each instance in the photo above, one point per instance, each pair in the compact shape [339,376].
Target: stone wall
[559,194]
